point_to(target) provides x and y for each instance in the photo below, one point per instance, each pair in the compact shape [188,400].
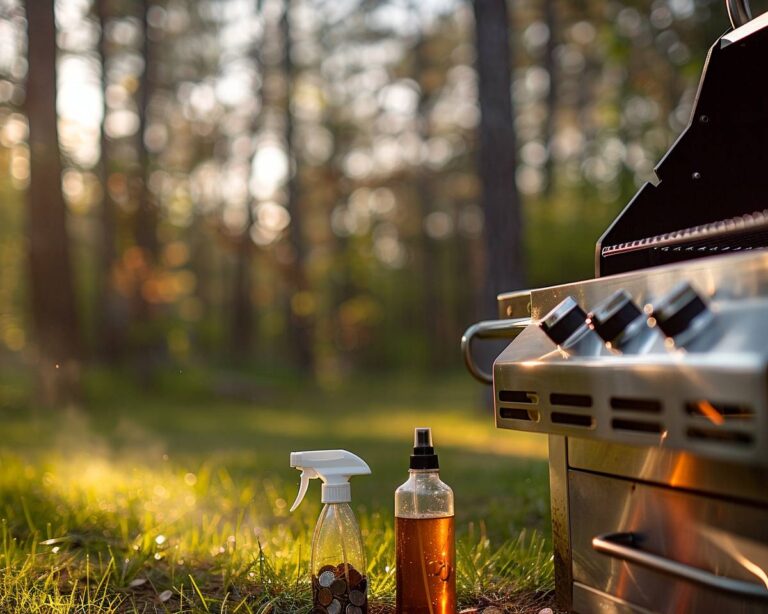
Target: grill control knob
[617,319]
[681,314]
[563,321]
[566,325]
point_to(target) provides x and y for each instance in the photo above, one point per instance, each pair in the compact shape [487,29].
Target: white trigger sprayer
[333,467]
[338,558]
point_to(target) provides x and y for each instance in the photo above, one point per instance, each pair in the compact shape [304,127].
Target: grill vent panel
[636,425]
[583,420]
[518,396]
[570,400]
[652,406]
[515,413]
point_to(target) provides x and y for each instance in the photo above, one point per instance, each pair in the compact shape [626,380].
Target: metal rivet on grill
[696,175]
[704,119]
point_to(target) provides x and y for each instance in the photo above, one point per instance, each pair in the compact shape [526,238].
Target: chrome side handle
[624,546]
[489,329]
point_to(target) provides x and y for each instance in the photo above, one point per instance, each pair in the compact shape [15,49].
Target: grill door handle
[489,329]
[623,546]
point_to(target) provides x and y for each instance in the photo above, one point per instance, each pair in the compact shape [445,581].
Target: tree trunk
[502,230]
[241,337]
[52,294]
[432,303]
[146,213]
[109,339]
[497,154]
[300,323]
[550,123]
[241,333]
[149,346]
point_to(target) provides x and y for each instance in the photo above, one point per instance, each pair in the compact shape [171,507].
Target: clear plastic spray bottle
[339,583]
[425,542]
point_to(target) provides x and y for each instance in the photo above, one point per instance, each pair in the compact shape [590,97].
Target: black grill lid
[708,194]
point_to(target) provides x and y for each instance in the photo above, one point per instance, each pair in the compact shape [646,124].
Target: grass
[177,501]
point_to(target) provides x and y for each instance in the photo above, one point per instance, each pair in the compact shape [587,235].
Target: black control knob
[681,308]
[564,320]
[612,317]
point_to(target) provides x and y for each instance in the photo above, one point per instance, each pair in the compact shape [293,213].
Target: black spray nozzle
[423,456]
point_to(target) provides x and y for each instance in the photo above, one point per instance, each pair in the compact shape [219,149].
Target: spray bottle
[339,584]
[424,528]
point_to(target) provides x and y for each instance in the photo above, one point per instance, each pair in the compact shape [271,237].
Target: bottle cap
[336,493]
[423,456]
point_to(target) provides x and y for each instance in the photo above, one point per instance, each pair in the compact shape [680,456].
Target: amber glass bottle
[425,545]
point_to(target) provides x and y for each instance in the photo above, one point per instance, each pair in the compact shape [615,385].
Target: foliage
[383,102]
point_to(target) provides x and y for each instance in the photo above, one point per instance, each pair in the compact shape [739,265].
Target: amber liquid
[426,565]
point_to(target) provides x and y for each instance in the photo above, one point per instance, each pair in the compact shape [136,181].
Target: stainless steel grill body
[651,398]
[695,506]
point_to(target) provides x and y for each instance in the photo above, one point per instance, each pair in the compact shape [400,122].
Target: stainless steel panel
[676,469]
[671,382]
[515,304]
[587,600]
[738,275]
[561,538]
[721,537]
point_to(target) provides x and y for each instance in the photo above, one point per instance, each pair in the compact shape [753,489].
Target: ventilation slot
[717,413]
[559,417]
[514,413]
[650,406]
[571,400]
[636,425]
[742,439]
[518,396]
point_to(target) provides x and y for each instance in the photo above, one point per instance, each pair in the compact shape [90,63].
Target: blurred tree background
[313,186]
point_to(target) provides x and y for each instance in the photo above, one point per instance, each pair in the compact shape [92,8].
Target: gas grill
[651,379]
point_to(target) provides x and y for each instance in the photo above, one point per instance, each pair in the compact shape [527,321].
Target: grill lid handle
[624,546]
[739,12]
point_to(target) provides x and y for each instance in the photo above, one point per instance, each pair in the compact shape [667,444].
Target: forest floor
[177,500]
